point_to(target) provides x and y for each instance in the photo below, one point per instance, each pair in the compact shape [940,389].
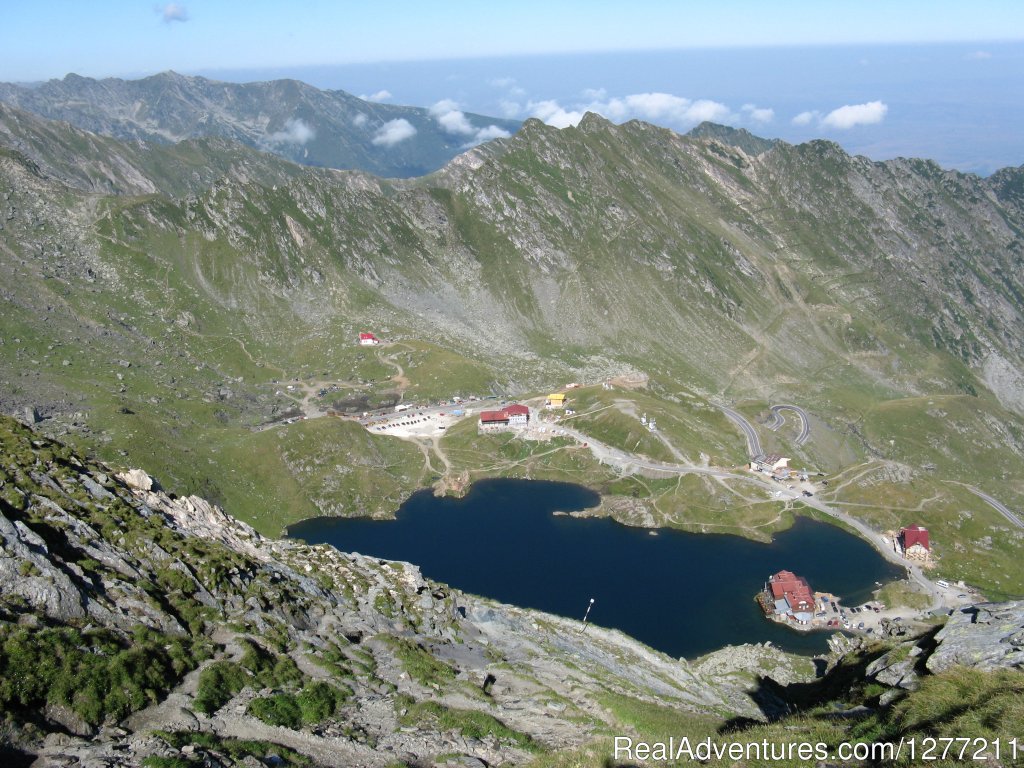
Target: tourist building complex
[511,417]
[789,597]
[772,463]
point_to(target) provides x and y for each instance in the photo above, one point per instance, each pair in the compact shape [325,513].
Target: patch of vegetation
[315,703]
[333,659]
[94,673]
[265,751]
[657,721]
[279,709]
[472,724]
[258,667]
[217,684]
[903,594]
[419,663]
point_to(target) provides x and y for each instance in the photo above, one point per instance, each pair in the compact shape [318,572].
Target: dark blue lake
[682,593]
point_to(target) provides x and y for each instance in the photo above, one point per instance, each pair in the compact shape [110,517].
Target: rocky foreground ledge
[140,628]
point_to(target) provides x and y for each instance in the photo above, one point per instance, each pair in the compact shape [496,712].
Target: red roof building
[493,417]
[915,542]
[511,416]
[785,585]
[367,339]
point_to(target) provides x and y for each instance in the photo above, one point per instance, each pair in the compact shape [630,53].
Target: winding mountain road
[778,420]
[629,462]
[998,506]
[753,441]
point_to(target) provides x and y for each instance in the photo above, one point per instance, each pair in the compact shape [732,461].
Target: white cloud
[296,131]
[360,120]
[394,131]
[552,113]
[448,115]
[759,114]
[978,55]
[664,108]
[852,115]
[172,12]
[806,118]
[502,82]
[510,108]
[451,118]
[488,133]
[381,95]
[595,94]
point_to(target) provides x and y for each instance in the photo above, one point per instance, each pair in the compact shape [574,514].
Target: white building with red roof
[914,542]
[510,417]
[791,596]
[368,340]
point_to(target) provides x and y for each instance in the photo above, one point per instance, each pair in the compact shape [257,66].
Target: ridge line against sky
[791,69]
[128,37]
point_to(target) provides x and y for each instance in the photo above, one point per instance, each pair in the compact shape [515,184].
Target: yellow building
[555,401]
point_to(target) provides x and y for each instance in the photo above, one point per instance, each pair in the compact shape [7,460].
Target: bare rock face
[27,570]
[987,636]
[897,668]
[137,480]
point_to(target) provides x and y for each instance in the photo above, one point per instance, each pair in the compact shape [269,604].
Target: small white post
[585,615]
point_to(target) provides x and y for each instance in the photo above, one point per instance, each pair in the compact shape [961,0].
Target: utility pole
[585,615]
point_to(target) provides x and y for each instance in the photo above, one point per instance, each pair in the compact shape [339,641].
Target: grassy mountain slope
[882,297]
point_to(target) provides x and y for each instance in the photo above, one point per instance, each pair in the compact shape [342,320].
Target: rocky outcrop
[987,636]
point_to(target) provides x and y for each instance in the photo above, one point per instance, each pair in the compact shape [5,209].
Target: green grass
[419,663]
[95,673]
[903,594]
[472,724]
[237,749]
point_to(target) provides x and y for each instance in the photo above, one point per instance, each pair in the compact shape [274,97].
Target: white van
[943,584]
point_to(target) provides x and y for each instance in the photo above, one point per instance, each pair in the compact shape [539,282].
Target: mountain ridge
[304,124]
[882,297]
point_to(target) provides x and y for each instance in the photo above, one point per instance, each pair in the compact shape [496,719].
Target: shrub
[318,701]
[97,674]
[280,709]
[217,684]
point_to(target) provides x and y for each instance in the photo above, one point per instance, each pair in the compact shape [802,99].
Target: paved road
[631,462]
[753,441]
[778,420]
[997,505]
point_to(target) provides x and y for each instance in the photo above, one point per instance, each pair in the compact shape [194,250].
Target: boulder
[138,480]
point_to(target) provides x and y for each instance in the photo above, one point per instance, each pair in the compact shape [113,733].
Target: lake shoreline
[683,593]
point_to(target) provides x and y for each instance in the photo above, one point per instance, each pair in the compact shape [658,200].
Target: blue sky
[40,40]
[940,79]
